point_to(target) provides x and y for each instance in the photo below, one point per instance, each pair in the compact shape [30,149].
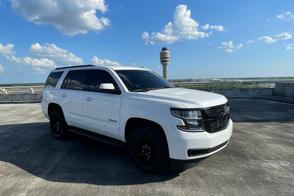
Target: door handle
[63,95]
[88,99]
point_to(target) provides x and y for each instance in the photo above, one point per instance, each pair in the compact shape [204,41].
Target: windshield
[142,80]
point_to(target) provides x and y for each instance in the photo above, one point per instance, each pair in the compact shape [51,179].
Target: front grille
[216,118]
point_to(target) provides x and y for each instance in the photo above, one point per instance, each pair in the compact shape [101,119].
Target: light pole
[164,60]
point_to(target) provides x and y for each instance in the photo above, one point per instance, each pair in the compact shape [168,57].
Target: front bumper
[197,145]
[44,107]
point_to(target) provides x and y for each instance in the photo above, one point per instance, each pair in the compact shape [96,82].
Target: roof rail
[75,66]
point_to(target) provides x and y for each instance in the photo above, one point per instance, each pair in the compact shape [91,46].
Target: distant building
[164,60]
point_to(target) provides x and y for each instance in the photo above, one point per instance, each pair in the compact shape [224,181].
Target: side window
[75,80]
[97,77]
[53,78]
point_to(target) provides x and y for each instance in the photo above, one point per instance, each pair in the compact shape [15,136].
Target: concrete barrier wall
[21,98]
[250,92]
[284,89]
[230,93]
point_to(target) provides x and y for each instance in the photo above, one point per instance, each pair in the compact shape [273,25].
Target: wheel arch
[52,107]
[136,121]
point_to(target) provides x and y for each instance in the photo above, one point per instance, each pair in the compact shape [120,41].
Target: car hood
[184,98]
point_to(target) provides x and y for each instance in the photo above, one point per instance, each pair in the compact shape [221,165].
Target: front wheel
[58,125]
[148,149]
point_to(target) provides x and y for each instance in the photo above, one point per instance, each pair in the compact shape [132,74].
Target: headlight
[192,119]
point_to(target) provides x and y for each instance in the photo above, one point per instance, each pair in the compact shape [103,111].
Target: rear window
[75,80]
[53,78]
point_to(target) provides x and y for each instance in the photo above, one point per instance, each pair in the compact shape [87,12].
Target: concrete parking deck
[258,161]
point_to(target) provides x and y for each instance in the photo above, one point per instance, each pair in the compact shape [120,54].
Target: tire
[58,125]
[148,149]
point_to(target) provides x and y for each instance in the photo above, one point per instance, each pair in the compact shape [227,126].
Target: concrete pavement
[258,161]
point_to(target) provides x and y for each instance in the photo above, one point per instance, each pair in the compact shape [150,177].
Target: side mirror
[107,87]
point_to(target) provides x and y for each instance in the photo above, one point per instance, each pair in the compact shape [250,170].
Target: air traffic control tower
[165,60]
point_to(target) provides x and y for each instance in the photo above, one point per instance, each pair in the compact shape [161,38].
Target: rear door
[71,96]
[102,108]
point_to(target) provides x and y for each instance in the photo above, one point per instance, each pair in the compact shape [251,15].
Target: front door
[102,108]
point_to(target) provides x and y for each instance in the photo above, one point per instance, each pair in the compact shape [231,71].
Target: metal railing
[20,89]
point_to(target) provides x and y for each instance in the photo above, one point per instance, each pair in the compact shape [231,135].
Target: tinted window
[75,80]
[142,80]
[53,78]
[97,77]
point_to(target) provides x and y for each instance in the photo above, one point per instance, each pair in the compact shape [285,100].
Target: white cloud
[272,39]
[158,37]
[229,46]
[238,46]
[6,49]
[37,64]
[250,41]
[219,28]
[146,37]
[51,51]
[104,62]
[1,67]
[283,36]
[267,39]
[286,16]
[183,27]
[71,17]
[290,47]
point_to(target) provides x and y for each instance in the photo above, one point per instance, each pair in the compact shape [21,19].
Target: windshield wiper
[149,89]
[139,90]
[144,89]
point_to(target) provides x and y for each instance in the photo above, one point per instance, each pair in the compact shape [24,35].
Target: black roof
[75,66]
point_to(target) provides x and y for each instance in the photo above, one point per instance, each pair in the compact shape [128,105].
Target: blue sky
[207,38]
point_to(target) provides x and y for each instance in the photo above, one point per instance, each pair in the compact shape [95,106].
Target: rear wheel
[148,149]
[58,125]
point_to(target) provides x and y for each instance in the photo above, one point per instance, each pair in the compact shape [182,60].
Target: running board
[96,136]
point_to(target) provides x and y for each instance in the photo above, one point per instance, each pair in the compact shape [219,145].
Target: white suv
[157,121]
